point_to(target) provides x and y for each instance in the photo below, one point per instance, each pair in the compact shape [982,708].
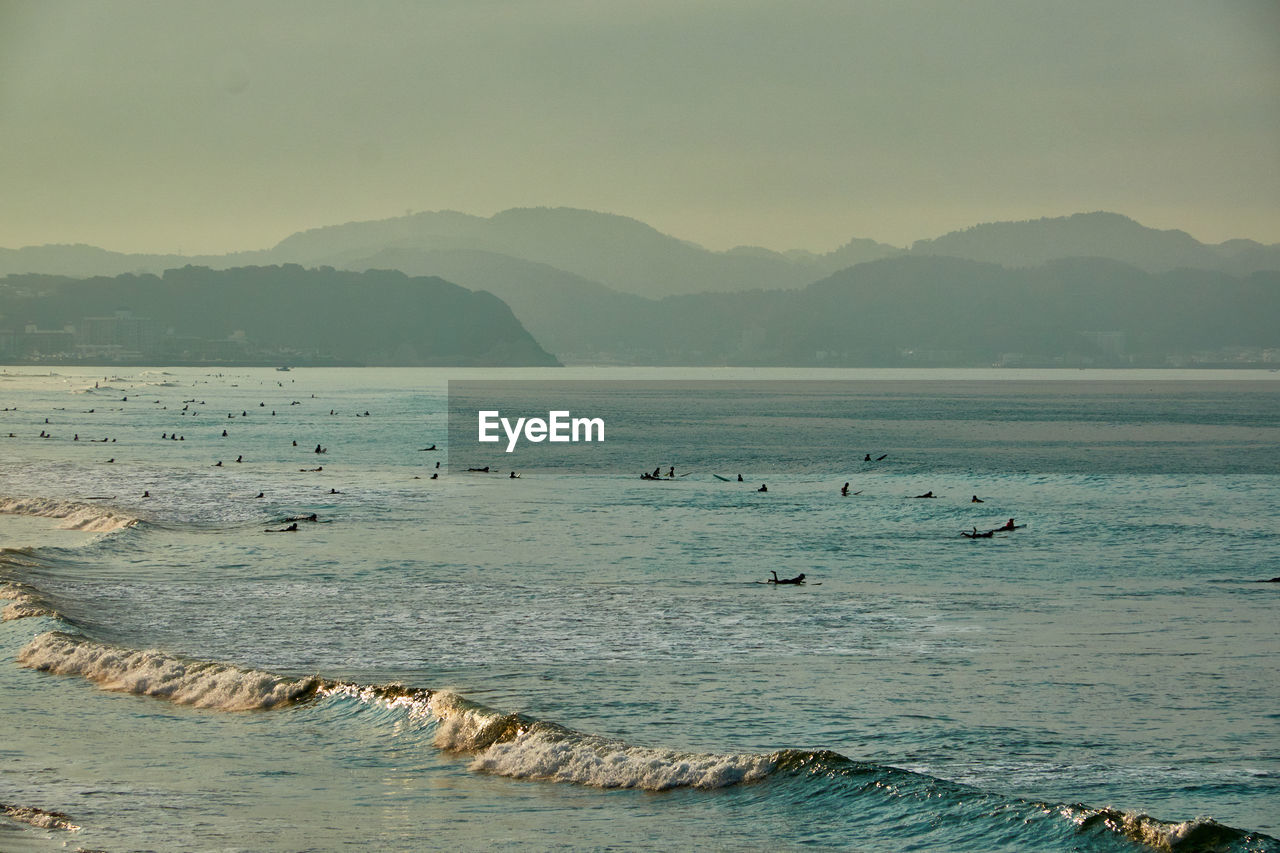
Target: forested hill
[375,317]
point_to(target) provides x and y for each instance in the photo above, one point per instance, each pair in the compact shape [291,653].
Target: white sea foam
[22,606]
[152,673]
[604,763]
[1200,834]
[74,516]
[38,817]
[514,746]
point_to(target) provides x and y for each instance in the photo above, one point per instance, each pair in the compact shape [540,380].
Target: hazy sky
[218,126]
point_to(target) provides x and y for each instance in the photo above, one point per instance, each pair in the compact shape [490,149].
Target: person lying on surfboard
[798,579]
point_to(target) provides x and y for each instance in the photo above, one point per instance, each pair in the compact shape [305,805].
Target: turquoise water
[584,659]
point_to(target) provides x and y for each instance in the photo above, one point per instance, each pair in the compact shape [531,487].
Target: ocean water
[581,659]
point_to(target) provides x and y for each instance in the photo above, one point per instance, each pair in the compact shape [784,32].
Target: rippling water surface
[578,658]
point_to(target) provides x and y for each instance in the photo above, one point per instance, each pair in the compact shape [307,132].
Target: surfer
[976,500]
[295,518]
[334,492]
[514,476]
[763,488]
[1009,525]
[484,470]
[867,458]
[928,494]
[423,449]
[739,478]
[797,580]
[292,528]
[844,490]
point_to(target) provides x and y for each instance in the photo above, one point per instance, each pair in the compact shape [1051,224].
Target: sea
[558,654]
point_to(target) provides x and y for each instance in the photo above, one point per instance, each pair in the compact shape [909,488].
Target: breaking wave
[74,516]
[38,817]
[520,747]
[204,684]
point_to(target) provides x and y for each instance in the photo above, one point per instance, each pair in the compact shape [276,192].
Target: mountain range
[601,288]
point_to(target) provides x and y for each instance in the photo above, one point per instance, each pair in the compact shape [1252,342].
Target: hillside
[268,313]
[929,311]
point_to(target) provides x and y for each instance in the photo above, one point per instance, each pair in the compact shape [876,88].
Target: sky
[215,127]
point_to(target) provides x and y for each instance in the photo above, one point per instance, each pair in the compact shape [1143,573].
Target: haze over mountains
[1095,288]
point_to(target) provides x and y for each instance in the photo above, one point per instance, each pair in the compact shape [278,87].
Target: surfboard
[724,479]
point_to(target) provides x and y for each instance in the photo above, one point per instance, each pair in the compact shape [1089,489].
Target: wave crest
[152,673]
[1203,834]
[38,817]
[74,516]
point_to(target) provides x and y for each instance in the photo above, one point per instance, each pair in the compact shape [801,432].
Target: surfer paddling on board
[797,580]
[1009,525]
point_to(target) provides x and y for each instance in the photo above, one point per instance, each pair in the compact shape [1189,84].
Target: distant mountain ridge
[629,256]
[1100,234]
[605,289]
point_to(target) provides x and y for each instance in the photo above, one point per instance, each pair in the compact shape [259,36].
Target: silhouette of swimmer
[224,433]
[976,535]
[240,458]
[763,488]
[739,478]
[976,500]
[797,580]
[295,443]
[146,494]
[435,476]
[218,464]
[1009,525]
[292,528]
[844,490]
[671,472]
[657,472]
[513,476]
[334,492]
[260,495]
[424,449]
[484,470]
[928,494]
[867,458]
[312,517]
[320,449]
